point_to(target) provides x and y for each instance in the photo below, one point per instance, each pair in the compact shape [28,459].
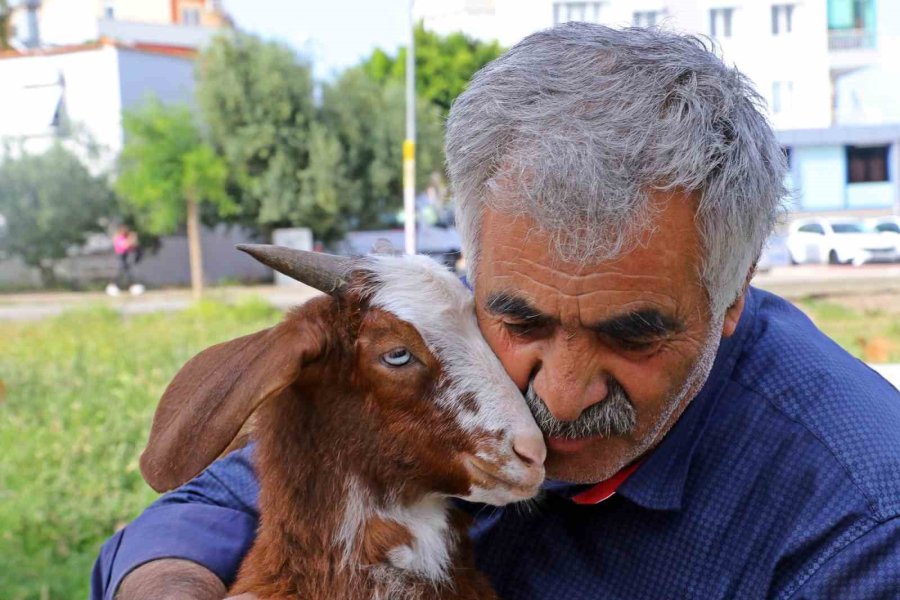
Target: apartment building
[77,94]
[47,23]
[826,68]
[78,64]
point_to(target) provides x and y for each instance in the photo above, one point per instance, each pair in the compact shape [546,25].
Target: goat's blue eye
[397,357]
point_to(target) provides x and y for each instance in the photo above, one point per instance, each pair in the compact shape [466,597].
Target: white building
[81,91]
[185,23]
[828,70]
[56,86]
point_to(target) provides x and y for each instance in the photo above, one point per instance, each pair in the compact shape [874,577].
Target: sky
[335,33]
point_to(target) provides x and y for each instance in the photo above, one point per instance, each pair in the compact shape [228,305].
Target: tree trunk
[193,232]
[47,271]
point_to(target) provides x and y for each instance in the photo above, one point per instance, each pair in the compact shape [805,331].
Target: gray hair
[577,124]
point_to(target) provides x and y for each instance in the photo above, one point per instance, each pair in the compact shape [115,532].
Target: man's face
[610,352]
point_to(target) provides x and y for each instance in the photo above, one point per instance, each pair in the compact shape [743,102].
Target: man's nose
[570,379]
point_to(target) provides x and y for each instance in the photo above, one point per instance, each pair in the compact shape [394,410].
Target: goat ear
[211,397]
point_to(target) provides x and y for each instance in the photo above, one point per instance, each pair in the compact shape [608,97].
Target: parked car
[889,224]
[837,241]
[889,228]
[775,254]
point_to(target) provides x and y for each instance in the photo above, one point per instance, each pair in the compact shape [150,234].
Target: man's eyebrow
[639,324]
[507,305]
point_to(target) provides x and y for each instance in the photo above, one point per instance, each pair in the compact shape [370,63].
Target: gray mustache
[614,415]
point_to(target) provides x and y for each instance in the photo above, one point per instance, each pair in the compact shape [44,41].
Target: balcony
[852,49]
[850,39]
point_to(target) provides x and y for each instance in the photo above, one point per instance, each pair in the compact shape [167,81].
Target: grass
[79,396]
[870,334]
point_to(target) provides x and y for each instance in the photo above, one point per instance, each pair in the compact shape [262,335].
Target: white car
[837,241]
[775,254]
[889,227]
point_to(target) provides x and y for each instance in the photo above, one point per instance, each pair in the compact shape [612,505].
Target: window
[563,12]
[720,22]
[646,18]
[782,19]
[887,228]
[867,164]
[812,228]
[851,14]
[190,16]
[847,228]
[782,96]
[109,9]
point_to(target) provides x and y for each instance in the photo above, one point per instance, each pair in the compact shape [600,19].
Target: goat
[375,405]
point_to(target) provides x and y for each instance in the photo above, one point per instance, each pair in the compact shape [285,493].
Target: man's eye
[519,329]
[642,346]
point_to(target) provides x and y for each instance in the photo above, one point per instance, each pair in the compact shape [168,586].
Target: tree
[444,65]
[5,24]
[367,117]
[257,100]
[166,171]
[51,204]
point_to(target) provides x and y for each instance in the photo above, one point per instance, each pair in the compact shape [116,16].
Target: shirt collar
[658,481]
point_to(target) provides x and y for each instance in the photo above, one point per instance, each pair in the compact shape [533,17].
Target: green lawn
[80,394]
[855,328]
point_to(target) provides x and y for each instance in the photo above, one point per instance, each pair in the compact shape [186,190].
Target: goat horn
[325,272]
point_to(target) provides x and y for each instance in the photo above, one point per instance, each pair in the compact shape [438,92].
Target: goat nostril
[530,449]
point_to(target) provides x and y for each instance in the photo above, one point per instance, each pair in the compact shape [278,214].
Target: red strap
[605,489]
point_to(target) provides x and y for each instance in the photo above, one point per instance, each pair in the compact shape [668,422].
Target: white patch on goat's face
[418,290]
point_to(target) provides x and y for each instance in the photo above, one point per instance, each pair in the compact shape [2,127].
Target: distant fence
[169,266]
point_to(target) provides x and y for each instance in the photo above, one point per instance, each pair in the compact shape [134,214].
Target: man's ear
[733,314]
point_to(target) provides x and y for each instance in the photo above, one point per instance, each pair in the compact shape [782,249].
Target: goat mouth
[485,475]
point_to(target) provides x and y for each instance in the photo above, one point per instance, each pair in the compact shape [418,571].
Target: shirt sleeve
[867,568]
[210,520]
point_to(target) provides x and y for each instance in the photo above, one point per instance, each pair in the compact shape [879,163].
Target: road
[829,280]
[34,306]
[790,282]
[880,283]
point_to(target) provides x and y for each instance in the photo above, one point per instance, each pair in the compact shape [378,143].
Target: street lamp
[409,144]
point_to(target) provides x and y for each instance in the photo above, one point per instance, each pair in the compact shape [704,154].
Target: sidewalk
[33,306]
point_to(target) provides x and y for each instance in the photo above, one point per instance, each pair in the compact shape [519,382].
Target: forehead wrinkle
[580,278]
[580,295]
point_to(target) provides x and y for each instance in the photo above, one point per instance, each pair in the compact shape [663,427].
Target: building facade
[827,70]
[48,23]
[76,95]
[76,65]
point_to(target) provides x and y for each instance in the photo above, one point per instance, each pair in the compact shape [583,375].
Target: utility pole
[409,144]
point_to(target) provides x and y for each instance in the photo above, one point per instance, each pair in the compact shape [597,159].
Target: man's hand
[172,579]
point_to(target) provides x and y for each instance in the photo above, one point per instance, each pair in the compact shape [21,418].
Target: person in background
[128,252]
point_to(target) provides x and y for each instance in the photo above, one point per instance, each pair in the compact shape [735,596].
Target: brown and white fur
[358,457]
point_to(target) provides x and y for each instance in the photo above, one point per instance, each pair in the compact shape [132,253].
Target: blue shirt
[780,480]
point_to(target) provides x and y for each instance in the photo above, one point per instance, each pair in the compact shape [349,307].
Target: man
[615,189]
